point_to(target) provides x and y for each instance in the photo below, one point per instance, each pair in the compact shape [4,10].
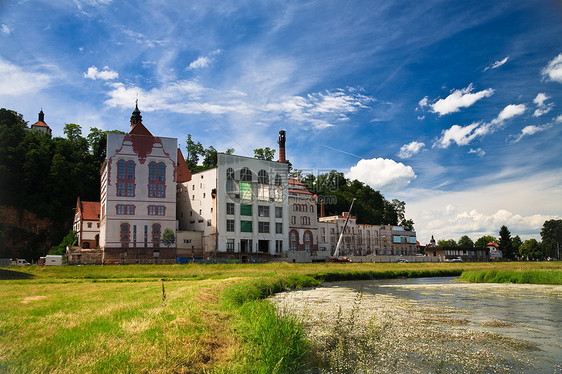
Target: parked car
[458,259]
[402,260]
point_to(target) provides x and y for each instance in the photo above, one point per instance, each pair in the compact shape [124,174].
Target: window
[311,208]
[295,207]
[230,225]
[125,234]
[156,210]
[307,237]
[246,190]
[278,246]
[245,175]
[125,178]
[230,245]
[157,180]
[307,247]
[278,180]
[156,235]
[305,221]
[263,177]
[89,225]
[279,228]
[278,212]
[229,208]
[230,174]
[245,226]
[122,209]
[263,227]
[293,237]
[245,210]
[293,220]
[263,211]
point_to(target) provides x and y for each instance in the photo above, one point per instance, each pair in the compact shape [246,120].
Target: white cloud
[510,111]
[497,64]
[558,119]
[554,69]
[531,130]
[16,81]
[382,174]
[105,74]
[202,61]
[459,99]
[478,151]
[317,110]
[6,29]
[542,108]
[410,149]
[485,205]
[423,102]
[463,135]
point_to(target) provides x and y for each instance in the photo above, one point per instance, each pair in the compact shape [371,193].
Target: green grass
[504,276]
[213,318]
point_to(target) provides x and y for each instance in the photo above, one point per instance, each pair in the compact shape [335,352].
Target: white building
[240,207]
[87,223]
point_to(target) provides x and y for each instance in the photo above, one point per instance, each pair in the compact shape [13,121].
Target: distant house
[40,125]
[87,223]
[495,252]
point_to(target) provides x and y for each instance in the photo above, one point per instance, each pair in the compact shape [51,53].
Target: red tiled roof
[184,174]
[302,192]
[139,129]
[493,244]
[40,124]
[90,210]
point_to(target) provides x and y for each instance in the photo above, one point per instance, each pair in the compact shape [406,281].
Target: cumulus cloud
[463,98]
[553,71]
[542,107]
[382,174]
[531,130]
[410,149]
[105,74]
[558,119]
[497,64]
[14,80]
[463,135]
[6,29]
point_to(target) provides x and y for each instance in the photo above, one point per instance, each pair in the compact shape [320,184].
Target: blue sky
[453,107]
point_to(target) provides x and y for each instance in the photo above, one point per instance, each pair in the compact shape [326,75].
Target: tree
[210,158]
[72,131]
[407,224]
[505,244]
[194,150]
[168,237]
[69,240]
[264,153]
[483,241]
[551,235]
[516,244]
[531,249]
[466,242]
[446,243]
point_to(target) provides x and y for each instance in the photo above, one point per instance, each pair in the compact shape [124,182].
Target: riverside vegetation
[179,318]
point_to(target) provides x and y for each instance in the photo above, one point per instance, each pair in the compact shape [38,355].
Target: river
[430,325]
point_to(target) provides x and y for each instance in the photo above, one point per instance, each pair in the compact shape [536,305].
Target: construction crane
[335,257]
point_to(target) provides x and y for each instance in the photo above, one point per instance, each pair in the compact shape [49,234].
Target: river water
[430,325]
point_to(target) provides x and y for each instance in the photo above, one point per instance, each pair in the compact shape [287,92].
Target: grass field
[177,318]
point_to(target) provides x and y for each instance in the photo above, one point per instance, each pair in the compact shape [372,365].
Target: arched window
[293,236]
[278,180]
[295,207]
[306,237]
[125,234]
[230,174]
[245,175]
[311,208]
[156,235]
[125,178]
[157,179]
[304,208]
[263,177]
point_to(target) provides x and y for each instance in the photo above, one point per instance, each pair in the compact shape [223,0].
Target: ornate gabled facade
[87,223]
[138,194]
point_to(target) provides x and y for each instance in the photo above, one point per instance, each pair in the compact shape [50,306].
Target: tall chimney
[281,142]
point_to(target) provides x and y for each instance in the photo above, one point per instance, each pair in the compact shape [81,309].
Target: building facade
[364,239]
[87,223]
[138,195]
[241,207]
[303,221]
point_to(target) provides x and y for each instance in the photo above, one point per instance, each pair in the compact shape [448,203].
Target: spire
[281,142]
[42,116]
[136,116]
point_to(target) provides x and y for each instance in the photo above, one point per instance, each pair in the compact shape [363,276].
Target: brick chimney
[281,142]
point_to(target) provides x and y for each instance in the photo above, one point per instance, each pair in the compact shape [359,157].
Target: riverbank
[177,318]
